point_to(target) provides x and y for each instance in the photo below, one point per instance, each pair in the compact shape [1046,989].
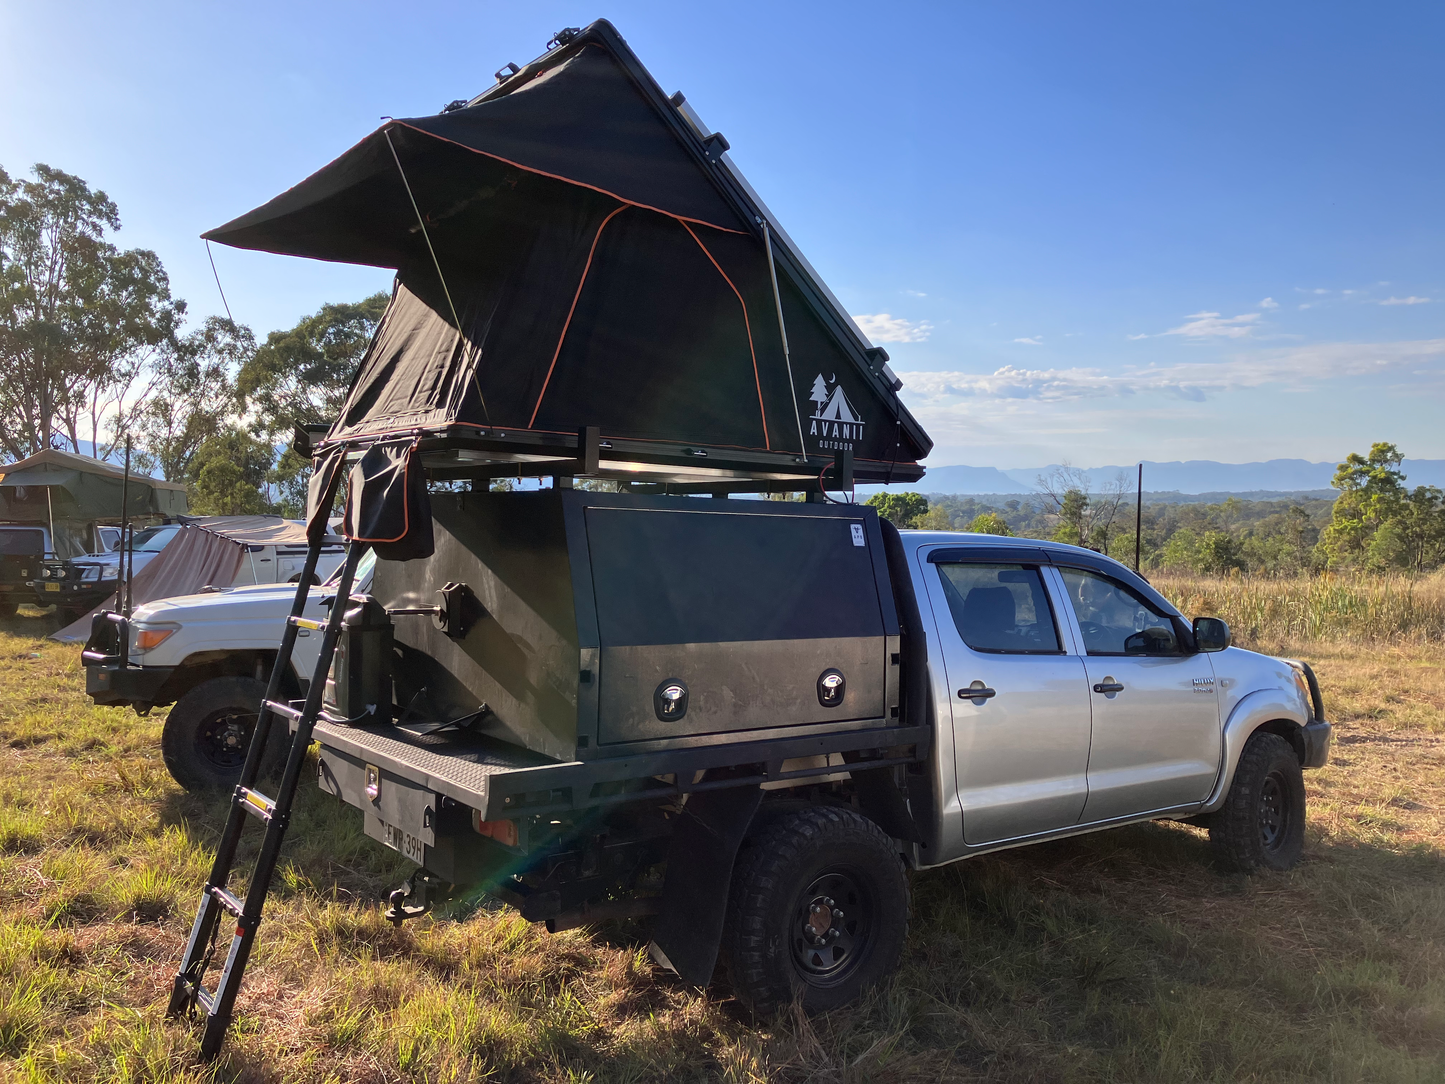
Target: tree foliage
[302,374]
[1081,518]
[195,395]
[903,510]
[228,473]
[81,321]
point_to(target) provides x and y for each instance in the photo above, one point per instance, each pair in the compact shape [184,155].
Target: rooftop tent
[589,257]
[66,486]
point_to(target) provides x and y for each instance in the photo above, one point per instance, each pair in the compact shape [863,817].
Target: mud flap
[700,857]
[882,803]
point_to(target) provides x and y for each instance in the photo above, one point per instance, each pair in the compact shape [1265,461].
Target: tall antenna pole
[1138,517]
[120,580]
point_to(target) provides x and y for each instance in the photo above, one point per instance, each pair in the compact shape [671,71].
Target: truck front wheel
[818,911]
[208,733]
[1262,822]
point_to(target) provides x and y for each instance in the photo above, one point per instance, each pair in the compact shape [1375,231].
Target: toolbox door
[746,613]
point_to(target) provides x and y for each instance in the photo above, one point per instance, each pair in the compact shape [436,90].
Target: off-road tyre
[782,873]
[1262,822]
[208,733]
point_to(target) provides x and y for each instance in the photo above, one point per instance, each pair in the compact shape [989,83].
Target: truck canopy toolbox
[604,625]
[573,249]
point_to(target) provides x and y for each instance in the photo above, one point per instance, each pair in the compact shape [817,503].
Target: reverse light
[145,639]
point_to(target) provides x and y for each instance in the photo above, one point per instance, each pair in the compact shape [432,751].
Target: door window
[1116,621]
[1001,608]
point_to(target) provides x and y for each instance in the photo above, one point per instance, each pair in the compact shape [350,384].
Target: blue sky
[1100,233]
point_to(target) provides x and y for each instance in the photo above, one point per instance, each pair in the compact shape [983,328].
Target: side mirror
[1212,634]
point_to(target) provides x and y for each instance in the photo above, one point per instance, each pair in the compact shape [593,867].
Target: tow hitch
[414,898]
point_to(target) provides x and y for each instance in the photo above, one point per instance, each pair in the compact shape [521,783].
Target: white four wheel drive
[211,655]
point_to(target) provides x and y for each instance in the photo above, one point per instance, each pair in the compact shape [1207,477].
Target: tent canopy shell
[573,249]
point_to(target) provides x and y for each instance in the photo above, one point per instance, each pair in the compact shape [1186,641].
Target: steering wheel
[1092,629]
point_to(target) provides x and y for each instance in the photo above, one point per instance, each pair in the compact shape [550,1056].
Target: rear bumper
[111,683]
[1317,735]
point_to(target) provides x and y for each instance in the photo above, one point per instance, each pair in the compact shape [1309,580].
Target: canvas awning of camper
[68,486]
[257,530]
[573,250]
[193,559]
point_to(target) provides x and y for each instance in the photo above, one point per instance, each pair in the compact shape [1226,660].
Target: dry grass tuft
[1124,956]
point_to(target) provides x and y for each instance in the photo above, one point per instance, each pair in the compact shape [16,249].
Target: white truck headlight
[90,574]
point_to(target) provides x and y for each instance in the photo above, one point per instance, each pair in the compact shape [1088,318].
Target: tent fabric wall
[194,559]
[81,487]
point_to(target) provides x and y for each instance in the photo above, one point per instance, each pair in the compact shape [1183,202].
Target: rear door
[1156,735]
[1018,698]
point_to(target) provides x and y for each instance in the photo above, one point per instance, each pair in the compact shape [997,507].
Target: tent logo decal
[834,423]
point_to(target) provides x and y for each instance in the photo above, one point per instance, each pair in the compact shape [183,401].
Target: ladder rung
[227,900]
[306,623]
[256,804]
[204,999]
[283,709]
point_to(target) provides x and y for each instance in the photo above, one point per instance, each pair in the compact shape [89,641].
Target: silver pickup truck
[835,702]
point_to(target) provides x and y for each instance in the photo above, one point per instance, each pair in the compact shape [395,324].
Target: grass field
[1124,956]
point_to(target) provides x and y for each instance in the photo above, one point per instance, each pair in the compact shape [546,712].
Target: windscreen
[22,543]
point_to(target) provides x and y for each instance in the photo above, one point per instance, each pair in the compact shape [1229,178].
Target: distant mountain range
[1193,476]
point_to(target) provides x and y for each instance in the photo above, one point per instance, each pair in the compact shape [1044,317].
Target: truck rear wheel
[208,733]
[1262,822]
[818,911]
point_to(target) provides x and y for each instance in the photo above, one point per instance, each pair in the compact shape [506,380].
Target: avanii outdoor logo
[834,423]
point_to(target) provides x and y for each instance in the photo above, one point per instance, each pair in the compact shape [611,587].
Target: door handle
[976,692]
[1108,687]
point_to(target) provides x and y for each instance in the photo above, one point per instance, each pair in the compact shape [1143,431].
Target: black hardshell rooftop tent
[607,267]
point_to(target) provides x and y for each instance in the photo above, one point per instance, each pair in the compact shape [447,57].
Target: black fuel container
[358,688]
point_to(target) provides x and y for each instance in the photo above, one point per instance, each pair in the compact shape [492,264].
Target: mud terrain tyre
[818,910]
[1262,822]
[208,732]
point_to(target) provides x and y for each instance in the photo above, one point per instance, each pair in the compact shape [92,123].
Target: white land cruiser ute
[210,655]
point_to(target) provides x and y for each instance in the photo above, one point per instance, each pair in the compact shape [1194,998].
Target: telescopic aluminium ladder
[273,813]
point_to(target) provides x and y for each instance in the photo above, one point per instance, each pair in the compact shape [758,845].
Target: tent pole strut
[435,263]
[783,330]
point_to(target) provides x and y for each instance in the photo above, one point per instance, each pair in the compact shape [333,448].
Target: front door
[1020,704]
[1157,740]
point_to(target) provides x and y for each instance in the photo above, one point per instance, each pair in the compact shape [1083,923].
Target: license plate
[409,845]
[52,587]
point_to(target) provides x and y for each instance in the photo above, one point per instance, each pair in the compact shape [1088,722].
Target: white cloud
[883,327]
[1209,324]
[1037,340]
[1293,367]
[915,293]
[1321,291]
[1136,338]
[1306,305]
[1269,303]
[1411,300]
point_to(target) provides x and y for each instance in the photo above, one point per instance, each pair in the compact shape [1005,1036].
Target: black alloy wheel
[831,925]
[223,737]
[1273,812]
